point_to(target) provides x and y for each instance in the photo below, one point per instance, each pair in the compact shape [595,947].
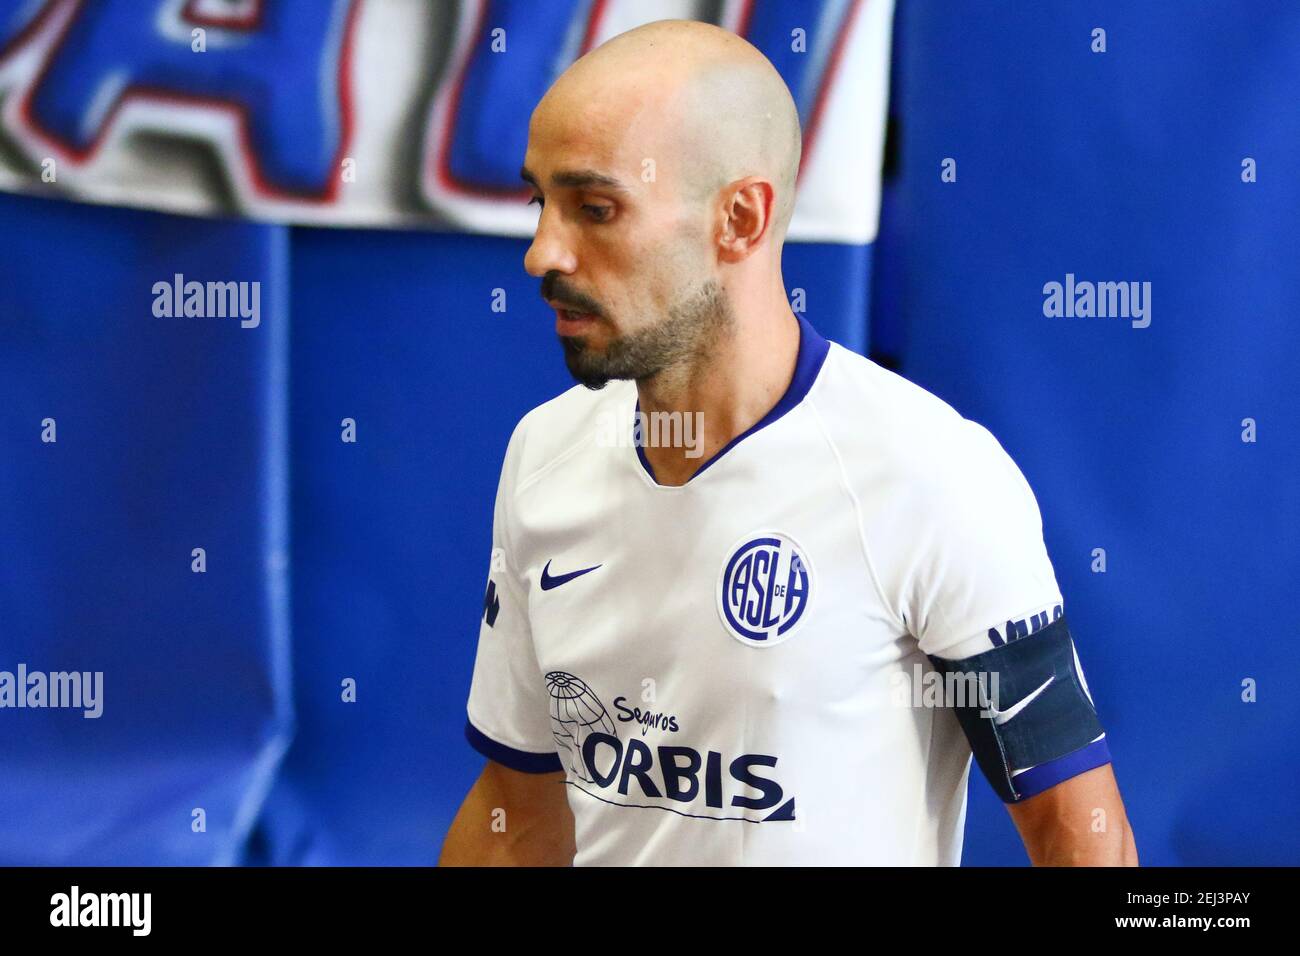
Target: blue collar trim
[812,355]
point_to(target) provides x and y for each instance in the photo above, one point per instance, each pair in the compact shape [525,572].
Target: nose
[549,251]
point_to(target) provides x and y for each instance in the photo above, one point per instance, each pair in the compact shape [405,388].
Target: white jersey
[724,669]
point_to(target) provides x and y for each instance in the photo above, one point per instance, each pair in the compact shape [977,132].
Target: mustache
[554,290]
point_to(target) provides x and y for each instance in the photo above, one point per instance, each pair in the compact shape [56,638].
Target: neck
[718,396]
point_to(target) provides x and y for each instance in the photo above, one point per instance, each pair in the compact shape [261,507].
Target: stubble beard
[685,337]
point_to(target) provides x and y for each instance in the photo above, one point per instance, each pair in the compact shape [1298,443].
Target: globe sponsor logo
[764,588]
[576,713]
[714,788]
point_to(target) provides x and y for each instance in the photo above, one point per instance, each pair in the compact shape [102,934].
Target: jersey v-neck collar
[813,349]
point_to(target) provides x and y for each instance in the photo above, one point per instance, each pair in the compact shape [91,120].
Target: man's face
[623,256]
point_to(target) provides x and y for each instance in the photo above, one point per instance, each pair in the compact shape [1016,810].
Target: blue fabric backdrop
[329,561]
[1126,165]
[176,433]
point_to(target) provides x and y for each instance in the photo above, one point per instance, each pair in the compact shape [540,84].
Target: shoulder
[930,486]
[950,524]
[889,429]
[563,426]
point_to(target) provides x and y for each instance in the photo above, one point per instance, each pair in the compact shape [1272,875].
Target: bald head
[664,163]
[700,102]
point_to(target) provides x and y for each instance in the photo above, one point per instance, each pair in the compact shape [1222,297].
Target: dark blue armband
[1030,721]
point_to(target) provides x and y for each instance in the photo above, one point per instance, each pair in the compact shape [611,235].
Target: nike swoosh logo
[550,581]
[1000,717]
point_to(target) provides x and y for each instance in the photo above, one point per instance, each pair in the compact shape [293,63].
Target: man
[710,649]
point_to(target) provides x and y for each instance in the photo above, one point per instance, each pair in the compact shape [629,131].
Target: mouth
[569,322]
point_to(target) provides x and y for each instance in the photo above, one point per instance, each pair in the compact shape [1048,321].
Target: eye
[537,200]
[598,213]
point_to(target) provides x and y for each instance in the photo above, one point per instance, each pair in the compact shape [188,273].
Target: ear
[747,210]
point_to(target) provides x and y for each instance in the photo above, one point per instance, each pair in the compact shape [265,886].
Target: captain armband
[1029,717]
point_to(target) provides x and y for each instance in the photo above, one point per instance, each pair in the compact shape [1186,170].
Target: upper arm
[508,708]
[512,818]
[976,564]
[517,812]
[531,796]
[975,586]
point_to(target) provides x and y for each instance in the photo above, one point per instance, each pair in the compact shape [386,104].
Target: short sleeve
[509,717]
[976,569]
